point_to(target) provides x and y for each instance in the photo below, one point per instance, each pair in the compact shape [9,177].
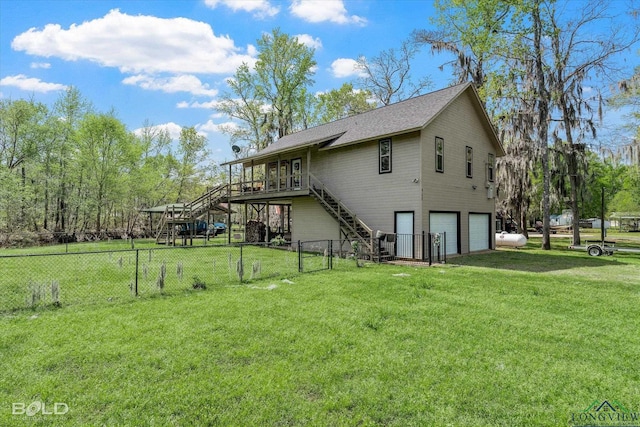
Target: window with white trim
[439,154]
[469,162]
[491,166]
[384,151]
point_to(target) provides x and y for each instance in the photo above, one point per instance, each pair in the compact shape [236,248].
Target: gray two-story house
[426,164]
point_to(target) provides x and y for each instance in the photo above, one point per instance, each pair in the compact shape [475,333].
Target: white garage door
[478,232]
[446,222]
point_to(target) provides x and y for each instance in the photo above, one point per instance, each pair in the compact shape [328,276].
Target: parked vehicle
[201,227]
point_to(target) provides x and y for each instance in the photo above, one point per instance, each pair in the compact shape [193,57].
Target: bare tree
[388,75]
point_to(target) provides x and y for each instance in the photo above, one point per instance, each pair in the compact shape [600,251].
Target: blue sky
[166,61]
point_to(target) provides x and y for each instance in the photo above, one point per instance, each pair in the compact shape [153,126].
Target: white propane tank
[512,240]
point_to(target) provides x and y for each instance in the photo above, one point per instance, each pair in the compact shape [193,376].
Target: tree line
[68,168]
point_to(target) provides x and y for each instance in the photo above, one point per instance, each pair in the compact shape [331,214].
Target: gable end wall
[460,126]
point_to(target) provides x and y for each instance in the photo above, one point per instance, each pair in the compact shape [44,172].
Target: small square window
[469,162]
[384,156]
[439,154]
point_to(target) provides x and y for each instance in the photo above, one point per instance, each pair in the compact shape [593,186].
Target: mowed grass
[510,338]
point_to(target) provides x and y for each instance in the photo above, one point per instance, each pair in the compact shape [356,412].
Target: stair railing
[192,209]
[321,191]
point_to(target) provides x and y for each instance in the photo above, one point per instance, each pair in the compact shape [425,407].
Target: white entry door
[446,222]
[478,232]
[404,234]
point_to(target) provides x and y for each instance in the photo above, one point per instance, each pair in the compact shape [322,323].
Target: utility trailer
[596,248]
[602,248]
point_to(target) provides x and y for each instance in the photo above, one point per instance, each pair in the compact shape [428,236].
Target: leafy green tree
[68,111]
[152,181]
[105,153]
[344,102]
[243,104]
[284,70]
[21,128]
[628,198]
[269,99]
[603,173]
[191,155]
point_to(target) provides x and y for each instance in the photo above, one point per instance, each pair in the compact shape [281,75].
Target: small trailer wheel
[594,250]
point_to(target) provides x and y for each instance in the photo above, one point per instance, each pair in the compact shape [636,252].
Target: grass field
[509,338]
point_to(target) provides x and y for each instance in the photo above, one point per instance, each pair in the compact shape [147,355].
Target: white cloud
[137,44]
[173,129]
[346,67]
[260,8]
[309,41]
[211,127]
[183,83]
[206,105]
[324,10]
[31,84]
[252,51]
[44,65]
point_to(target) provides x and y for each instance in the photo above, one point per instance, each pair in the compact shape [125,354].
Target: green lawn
[510,338]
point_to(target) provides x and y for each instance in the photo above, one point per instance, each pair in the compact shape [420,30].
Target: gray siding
[460,126]
[311,221]
[352,174]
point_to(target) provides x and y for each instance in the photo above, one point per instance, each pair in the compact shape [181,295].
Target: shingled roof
[406,116]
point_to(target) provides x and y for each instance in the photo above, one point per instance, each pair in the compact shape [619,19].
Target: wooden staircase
[352,227]
[189,213]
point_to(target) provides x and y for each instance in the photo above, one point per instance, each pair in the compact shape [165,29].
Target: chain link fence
[74,278]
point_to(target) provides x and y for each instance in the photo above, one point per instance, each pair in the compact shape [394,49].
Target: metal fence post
[444,240]
[300,270]
[241,266]
[137,256]
[330,254]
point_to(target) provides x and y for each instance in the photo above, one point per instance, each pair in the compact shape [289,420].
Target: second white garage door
[478,232]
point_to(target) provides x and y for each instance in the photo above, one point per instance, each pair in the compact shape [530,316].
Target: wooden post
[266,234]
[246,219]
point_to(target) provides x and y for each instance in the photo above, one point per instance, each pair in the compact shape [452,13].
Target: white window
[491,166]
[384,156]
[439,154]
